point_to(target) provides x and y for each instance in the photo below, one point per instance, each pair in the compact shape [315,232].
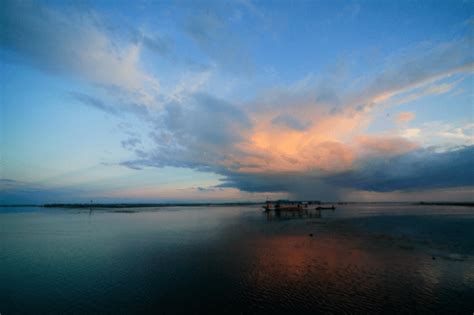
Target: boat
[286,205]
[326,208]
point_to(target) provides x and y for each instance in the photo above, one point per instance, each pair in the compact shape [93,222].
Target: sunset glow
[236,101]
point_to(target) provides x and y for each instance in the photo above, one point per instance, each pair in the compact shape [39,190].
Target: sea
[387,258]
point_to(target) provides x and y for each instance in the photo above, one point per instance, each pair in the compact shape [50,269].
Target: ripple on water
[233,260]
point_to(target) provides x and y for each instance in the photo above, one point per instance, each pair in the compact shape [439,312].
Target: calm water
[359,259]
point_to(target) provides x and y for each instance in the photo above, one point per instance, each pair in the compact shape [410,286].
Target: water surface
[392,258]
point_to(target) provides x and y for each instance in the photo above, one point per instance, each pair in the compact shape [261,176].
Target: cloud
[435,88]
[420,169]
[385,145]
[290,122]
[159,44]
[117,104]
[305,138]
[81,44]
[416,67]
[441,134]
[208,189]
[207,119]
[198,132]
[298,138]
[6,183]
[405,117]
[94,102]
[131,142]
[71,43]
[212,34]
[410,133]
[464,133]
[295,184]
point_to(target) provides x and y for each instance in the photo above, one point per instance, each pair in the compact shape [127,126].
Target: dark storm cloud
[421,169]
[298,185]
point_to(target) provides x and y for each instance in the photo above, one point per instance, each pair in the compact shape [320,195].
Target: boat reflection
[333,273]
[292,214]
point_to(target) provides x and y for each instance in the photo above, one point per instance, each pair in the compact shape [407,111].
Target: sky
[162,101]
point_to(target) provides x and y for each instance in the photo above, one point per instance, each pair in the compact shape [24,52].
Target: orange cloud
[325,145]
[404,117]
[386,145]
[330,143]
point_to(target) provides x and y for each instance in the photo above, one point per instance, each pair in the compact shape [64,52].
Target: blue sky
[236,100]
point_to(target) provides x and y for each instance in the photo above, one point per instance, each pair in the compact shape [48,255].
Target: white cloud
[410,133]
[444,135]
[73,43]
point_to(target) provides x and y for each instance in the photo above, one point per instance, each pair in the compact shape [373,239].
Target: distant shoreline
[466,204]
[210,204]
[144,205]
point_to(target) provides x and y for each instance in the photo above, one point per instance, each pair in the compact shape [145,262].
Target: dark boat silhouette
[286,205]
